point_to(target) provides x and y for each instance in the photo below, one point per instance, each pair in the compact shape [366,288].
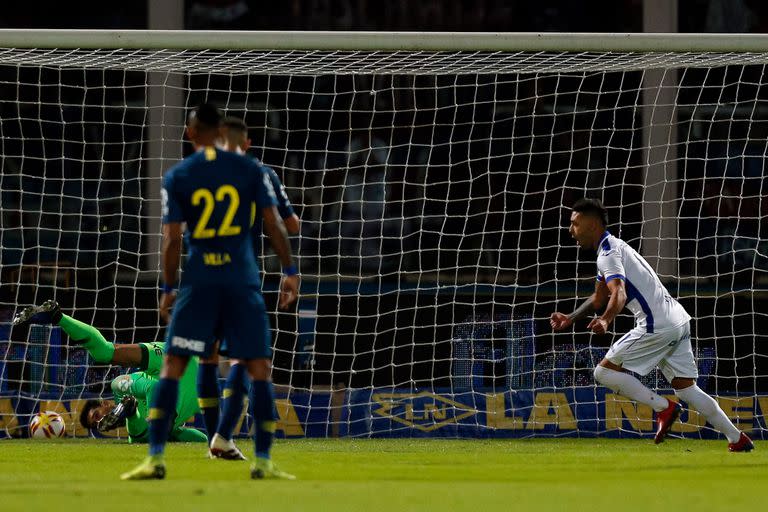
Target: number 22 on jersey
[208,199]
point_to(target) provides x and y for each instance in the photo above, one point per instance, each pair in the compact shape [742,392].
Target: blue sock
[208,396]
[162,413]
[232,407]
[263,414]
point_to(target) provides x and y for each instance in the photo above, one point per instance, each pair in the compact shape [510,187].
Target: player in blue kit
[219,297]
[235,138]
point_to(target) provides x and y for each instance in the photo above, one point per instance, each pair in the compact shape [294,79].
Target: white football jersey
[654,308]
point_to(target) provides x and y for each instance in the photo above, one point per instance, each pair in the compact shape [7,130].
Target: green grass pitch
[393,475]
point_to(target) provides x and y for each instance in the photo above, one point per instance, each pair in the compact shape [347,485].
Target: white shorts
[670,350]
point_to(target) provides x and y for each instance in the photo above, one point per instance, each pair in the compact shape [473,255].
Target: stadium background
[112,237]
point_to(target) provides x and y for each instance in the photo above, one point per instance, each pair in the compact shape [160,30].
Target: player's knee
[600,373]
[259,369]
[264,368]
[214,359]
[679,383]
[606,375]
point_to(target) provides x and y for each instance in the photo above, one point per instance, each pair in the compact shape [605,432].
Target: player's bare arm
[171,255]
[616,302]
[278,237]
[292,224]
[595,302]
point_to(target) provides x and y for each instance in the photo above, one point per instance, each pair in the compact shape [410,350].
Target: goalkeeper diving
[132,392]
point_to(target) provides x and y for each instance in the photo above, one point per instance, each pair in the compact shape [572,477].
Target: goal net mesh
[434,191]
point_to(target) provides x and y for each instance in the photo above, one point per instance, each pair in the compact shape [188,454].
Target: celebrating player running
[661,337]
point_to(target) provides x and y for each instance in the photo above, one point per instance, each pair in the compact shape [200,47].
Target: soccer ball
[46,425]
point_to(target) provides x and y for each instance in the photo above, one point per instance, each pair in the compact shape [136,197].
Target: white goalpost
[433,174]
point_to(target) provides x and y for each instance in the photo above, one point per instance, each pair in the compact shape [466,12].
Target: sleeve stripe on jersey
[615,276]
[632,294]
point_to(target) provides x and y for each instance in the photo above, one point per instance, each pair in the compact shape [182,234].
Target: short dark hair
[235,123]
[88,406]
[206,114]
[592,207]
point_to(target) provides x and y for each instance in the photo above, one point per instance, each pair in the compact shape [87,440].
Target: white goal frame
[657,55]
[659,233]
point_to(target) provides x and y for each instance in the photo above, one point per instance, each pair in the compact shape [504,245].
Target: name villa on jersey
[215,259]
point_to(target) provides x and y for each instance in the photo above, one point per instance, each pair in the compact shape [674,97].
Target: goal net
[434,187]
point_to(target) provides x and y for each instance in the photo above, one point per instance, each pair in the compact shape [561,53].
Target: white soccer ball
[47,424]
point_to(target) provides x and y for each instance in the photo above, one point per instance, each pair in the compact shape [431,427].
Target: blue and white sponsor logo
[187,344]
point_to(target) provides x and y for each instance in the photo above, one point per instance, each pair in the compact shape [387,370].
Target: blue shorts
[204,314]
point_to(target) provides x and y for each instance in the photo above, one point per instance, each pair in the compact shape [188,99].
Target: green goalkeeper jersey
[140,385]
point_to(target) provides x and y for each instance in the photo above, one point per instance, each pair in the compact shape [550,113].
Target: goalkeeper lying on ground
[132,392]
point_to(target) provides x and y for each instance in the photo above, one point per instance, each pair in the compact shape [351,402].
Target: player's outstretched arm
[559,321]
[274,228]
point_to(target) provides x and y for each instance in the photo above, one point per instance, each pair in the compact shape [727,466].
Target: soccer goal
[433,174]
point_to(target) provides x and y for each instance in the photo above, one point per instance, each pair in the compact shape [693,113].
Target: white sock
[628,386]
[709,408]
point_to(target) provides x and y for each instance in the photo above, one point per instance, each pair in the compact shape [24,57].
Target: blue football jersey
[212,191]
[284,207]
